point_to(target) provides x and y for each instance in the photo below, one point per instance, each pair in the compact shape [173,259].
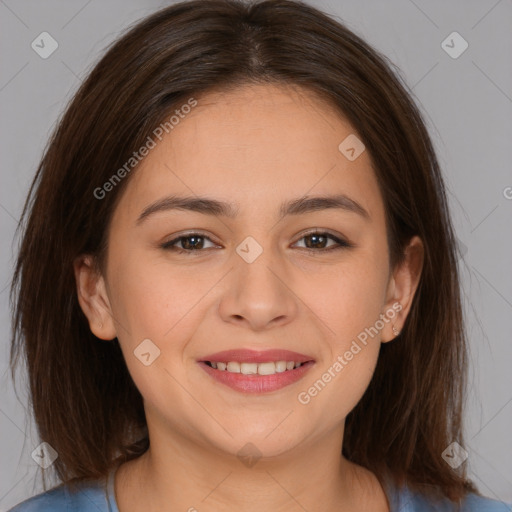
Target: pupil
[319,240]
[188,245]
[193,242]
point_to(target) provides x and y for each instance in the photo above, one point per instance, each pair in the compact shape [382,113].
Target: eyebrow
[217,208]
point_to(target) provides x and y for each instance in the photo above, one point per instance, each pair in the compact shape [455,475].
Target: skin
[257,146]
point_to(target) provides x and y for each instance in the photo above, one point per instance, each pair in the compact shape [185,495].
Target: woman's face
[256,280]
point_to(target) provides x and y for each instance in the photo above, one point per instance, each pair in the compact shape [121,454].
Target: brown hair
[85,403]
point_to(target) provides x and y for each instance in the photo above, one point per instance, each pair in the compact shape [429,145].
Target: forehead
[253,145]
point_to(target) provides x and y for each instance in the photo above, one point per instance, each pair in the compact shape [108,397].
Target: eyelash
[342,244]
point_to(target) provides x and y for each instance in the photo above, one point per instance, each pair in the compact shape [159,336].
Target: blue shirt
[98,497]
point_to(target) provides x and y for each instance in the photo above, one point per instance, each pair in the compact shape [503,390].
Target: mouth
[245,368]
[249,371]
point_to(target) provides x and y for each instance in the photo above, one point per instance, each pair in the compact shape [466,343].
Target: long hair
[84,401]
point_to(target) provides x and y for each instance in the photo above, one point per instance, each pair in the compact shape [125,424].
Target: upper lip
[256,356]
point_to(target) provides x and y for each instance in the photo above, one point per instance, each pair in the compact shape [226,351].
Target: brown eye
[318,240]
[189,243]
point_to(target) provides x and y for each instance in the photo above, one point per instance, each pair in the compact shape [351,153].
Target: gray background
[467,102]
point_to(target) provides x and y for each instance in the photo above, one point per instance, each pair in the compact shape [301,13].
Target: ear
[402,287]
[93,298]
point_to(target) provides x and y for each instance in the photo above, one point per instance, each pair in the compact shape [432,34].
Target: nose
[259,294]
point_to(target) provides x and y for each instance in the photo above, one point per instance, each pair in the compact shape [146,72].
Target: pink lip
[253,356]
[257,383]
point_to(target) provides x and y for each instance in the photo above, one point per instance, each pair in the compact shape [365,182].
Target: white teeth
[233,367]
[280,366]
[249,368]
[269,368]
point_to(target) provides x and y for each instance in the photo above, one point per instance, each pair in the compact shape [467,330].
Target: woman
[237,288]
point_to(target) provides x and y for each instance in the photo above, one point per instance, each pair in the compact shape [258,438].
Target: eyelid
[340,241]
[176,238]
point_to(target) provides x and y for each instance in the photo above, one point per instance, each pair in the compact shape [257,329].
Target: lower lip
[257,383]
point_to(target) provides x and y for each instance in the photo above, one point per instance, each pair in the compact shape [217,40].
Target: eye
[316,240]
[189,243]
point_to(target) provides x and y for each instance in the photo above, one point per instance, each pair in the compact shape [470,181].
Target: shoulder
[90,497]
[415,502]
[55,499]
[481,504]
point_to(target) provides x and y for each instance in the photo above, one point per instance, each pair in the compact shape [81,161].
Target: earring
[396,332]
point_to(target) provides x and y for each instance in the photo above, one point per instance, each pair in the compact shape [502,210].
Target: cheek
[159,311]
[353,377]
[349,306]
[157,302]
[349,300]
[152,297]
[338,385]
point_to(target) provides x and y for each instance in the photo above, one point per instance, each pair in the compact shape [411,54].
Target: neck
[177,474]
